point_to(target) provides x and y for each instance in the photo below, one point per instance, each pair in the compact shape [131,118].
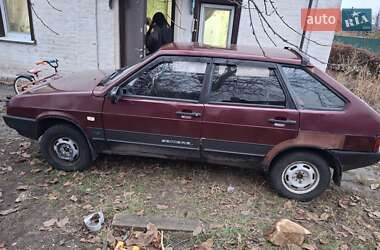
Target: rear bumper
[24,126]
[352,160]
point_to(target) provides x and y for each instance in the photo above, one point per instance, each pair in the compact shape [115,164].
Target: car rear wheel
[65,148]
[301,176]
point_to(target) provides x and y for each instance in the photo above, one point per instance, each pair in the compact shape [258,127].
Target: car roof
[233,52]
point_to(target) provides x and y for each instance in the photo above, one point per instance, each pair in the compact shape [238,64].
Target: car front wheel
[301,176]
[65,148]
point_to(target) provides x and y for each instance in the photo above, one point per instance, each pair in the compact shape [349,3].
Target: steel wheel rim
[22,84]
[300,177]
[66,149]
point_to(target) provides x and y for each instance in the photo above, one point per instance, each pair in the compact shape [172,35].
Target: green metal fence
[372,45]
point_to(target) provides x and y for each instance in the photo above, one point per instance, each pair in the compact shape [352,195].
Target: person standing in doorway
[159,33]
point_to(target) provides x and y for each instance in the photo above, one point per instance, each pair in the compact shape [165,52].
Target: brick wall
[78,46]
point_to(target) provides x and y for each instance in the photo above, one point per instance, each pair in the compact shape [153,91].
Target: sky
[373,4]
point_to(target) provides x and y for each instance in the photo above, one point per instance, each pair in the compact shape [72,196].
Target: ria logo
[357,19]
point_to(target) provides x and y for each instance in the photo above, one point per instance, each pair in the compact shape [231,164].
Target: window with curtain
[15,20]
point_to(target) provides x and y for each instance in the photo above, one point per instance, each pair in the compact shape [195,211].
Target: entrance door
[132,31]
[135,18]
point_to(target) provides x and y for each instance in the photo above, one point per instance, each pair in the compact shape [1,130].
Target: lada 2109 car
[237,107]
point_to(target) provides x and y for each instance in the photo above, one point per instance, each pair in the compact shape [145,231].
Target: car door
[248,111]
[159,113]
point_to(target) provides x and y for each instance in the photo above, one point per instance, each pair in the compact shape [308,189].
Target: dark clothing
[157,37]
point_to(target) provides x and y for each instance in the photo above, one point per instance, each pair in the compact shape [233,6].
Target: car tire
[300,176]
[65,148]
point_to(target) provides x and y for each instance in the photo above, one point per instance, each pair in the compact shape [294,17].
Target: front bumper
[24,126]
[352,160]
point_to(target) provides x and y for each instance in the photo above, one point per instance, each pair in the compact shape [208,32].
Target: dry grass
[359,71]
[364,85]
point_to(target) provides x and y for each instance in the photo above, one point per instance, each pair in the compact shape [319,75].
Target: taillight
[377,145]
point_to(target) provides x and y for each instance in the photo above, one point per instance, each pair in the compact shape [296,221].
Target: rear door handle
[285,122]
[192,114]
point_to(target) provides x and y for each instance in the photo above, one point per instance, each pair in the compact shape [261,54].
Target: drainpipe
[97,33]
[304,32]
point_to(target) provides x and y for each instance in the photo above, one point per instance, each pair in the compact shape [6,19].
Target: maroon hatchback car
[237,107]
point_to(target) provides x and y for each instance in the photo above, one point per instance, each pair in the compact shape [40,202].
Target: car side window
[175,79]
[241,84]
[311,93]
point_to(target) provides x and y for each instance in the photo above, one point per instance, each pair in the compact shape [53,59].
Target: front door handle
[285,122]
[186,113]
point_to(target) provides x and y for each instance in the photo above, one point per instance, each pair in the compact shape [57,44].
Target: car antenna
[304,59]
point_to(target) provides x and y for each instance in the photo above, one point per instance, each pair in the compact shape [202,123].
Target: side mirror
[114,94]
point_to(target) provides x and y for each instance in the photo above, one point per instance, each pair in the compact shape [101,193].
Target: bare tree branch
[253,29]
[42,21]
[48,1]
[290,27]
[277,34]
[265,31]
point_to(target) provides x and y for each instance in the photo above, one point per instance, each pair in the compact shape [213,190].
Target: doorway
[135,17]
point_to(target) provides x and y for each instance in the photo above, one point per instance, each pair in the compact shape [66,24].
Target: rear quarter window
[311,93]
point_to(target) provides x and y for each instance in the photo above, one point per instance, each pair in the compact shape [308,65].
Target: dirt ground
[342,218]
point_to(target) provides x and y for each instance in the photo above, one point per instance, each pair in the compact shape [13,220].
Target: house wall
[86,38]
[290,9]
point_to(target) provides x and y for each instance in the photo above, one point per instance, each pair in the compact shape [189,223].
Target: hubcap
[300,177]
[66,149]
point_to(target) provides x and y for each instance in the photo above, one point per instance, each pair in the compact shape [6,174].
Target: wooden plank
[162,223]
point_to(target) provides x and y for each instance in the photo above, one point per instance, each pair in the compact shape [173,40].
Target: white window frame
[218,7]
[11,35]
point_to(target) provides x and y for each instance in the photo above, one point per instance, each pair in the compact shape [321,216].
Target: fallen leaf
[309,246]
[63,222]
[53,196]
[162,207]
[288,205]
[22,188]
[344,247]
[111,239]
[67,183]
[25,145]
[376,235]
[50,223]
[54,181]
[362,238]
[375,186]
[26,155]
[198,230]
[349,230]
[323,241]
[23,197]
[207,245]
[73,198]
[344,202]
[9,211]
[286,232]
[140,213]
[35,170]
[324,217]
[87,207]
